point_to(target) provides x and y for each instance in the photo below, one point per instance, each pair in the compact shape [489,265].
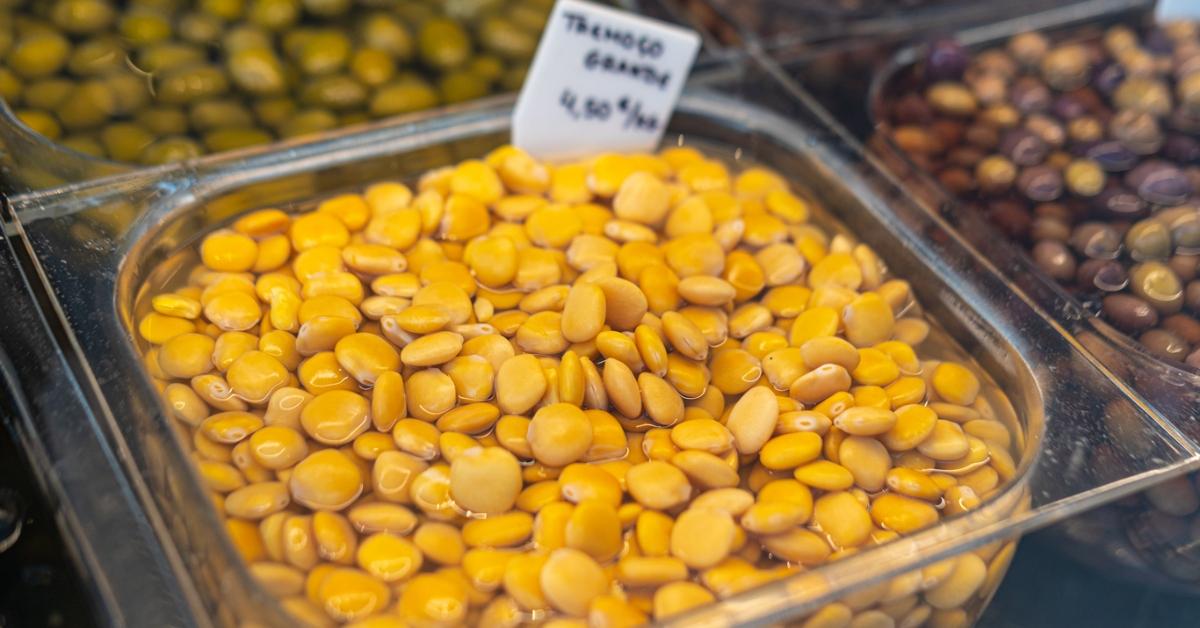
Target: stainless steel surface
[95,244]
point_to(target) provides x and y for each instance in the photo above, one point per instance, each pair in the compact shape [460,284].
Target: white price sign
[1168,10]
[602,80]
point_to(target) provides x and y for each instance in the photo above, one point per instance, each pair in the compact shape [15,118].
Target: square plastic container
[1149,538]
[89,250]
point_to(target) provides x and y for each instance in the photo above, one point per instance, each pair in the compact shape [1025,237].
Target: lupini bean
[491,418]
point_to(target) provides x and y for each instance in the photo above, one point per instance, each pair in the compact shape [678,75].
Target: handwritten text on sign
[602,80]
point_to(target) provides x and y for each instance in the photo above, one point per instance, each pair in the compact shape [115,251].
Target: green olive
[337,91]
[96,56]
[200,28]
[506,39]
[233,137]
[443,44]
[514,78]
[324,52]
[327,8]
[275,112]
[245,36]
[131,91]
[381,31]
[141,27]
[257,71]
[487,67]
[373,67]
[170,149]
[125,141]
[41,122]
[80,17]
[85,144]
[213,114]
[10,86]
[39,54]
[274,15]
[169,55]
[403,96]
[529,17]
[228,10]
[163,120]
[47,93]
[461,85]
[189,83]
[6,38]
[354,117]
[308,122]
[88,105]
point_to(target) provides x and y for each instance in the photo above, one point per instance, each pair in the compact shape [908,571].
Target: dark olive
[1119,202]
[1165,344]
[1186,267]
[1181,148]
[1102,274]
[983,136]
[1159,182]
[909,109]
[957,180]
[1096,240]
[945,60]
[1040,183]
[1193,359]
[1029,95]
[1047,228]
[1184,326]
[1068,107]
[1191,296]
[965,156]
[1011,217]
[1055,259]
[1129,313]
[1108,77]
[1023,147]
[1112,156]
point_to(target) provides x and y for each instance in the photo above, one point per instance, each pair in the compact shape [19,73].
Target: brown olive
[1055,259]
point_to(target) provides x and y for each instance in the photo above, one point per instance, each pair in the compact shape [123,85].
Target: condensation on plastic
[1145,543]
[92,246]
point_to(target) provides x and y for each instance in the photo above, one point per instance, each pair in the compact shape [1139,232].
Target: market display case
[1148,537]
[94,253]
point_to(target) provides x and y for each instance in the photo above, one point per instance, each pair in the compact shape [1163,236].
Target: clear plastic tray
[88,248]
[1136,534]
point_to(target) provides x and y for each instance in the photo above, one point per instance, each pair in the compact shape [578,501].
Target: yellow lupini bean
[485,480]
[606,391]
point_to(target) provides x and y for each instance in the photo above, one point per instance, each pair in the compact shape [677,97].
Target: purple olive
[1040,183]
[1159,182]
[1181,148]
[945,60]
[1023,147]
[1184,120]
[1102,274]
[1096,240]
[1120,203]
[1029,95]
[1068,107]
[1107,77]
[1112,156]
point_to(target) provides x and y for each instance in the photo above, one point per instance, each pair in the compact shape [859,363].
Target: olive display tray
[88,249]
[1172,389]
